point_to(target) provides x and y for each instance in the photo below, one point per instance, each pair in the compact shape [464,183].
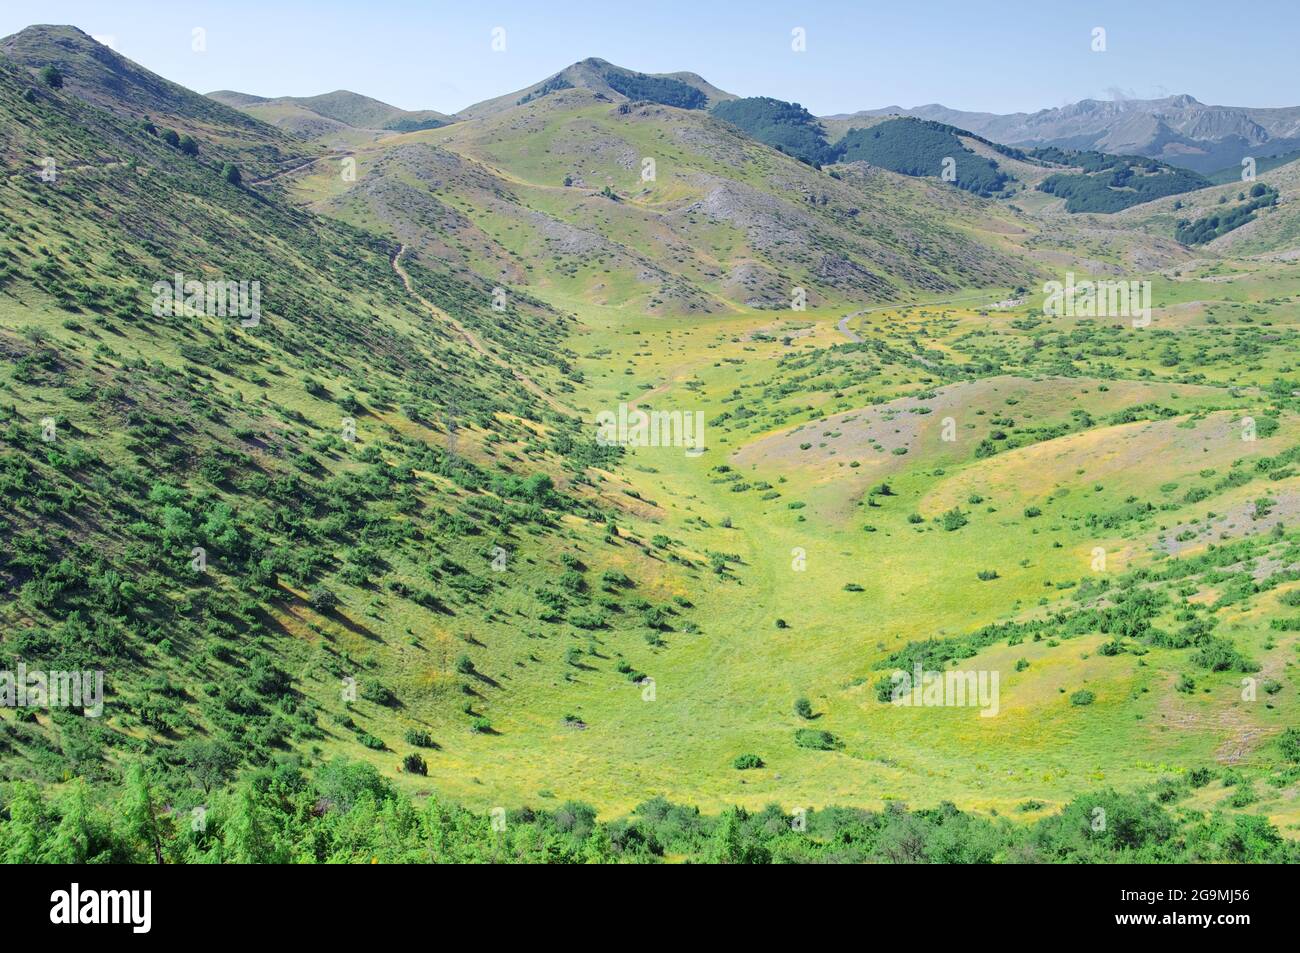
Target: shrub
[1082,697]
[1288,743]
[322,599]
[414,764]
[419,738]
[954,519]
[373,691]
[744,762]
[803,707]
[1200,777]
[815,739]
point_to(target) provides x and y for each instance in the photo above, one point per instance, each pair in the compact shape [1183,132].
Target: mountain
[207,496]
[662,208]
[1177,129]
[336,480]
[315,116]
[1259,218]
[101,77]
[613,83]
[919,147]
[787,127]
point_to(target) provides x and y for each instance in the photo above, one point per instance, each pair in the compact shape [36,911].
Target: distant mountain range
[314,116]
[1178,129]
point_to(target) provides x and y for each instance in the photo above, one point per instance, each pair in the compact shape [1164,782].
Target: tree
[189,146]
[322,599]
[731,846]
[140,830]
[51,77]
[597,849]
[414,764]
[25,830]
[71,841]
[210,761]
[954,519]
[230,172]
[1289,744]
[246,838]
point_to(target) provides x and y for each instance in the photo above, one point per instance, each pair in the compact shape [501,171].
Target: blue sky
[1001,56]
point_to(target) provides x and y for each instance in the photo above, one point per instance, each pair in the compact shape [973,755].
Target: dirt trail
[471,338]
[297,168]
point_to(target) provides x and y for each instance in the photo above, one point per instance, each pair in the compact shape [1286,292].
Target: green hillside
[307,451]
[1207,229]
[1263,164]
[921,147]
[787,127]
[662,209]
[345,471]
[97,76]
[1107,183]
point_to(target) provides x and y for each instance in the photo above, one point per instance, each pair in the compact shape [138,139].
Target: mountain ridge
[1178,129]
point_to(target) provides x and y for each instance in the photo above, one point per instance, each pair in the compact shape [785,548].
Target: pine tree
[21,838]
[246,837]
[71,841]
[140,832]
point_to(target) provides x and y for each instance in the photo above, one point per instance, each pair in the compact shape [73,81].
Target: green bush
[419,738]
[414,764]
[1288,743]
[815,739]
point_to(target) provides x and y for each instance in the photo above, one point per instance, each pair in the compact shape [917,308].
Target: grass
[752,578]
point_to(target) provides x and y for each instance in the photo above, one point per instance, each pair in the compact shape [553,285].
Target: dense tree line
[348,813]
[1210,227]
[1110,183]
[920,147]
[784,126]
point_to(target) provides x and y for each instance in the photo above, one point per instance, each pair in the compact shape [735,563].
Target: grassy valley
[303,438]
